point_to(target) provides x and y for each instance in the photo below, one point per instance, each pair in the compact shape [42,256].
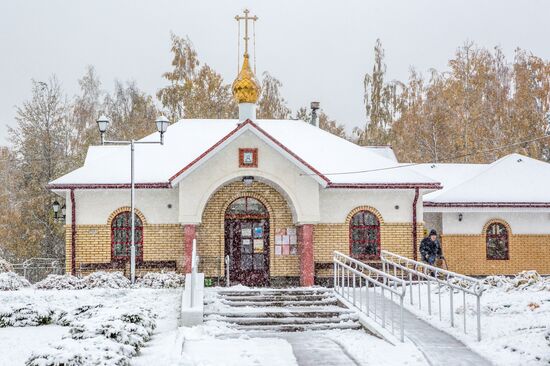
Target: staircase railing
[424,278]
[371,291]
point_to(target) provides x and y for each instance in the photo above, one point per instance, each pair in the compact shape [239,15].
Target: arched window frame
[120,235]
[247,213]
[372,229]
[502,234]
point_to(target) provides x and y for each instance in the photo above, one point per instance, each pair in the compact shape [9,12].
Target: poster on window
[258,245]
[258,232]
[286,249]
[246,232]
[278,250]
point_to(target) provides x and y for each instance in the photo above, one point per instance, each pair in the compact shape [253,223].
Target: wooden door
[247,245]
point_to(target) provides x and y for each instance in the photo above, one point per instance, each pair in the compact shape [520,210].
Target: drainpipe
[414,229]
[73,233]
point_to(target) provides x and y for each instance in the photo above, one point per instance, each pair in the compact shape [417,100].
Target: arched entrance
[247,242]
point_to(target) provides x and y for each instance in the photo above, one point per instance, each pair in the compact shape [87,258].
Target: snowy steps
[282,310]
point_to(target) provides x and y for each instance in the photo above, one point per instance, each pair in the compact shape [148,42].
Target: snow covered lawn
[104,320]
[515,321]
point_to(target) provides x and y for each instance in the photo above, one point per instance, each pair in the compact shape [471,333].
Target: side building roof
[512,181]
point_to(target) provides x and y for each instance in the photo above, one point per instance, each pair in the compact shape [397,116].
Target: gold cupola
[246,88]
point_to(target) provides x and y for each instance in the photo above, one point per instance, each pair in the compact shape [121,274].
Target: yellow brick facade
[165,242]
[210,233]
[467,254]
[161,242]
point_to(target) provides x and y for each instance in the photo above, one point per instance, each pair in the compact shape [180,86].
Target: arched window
[364,233]
[121,229]
[246,207]
[496,239]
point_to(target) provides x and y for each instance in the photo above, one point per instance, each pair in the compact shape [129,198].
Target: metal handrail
[364,277]
[420,273]
[227,263]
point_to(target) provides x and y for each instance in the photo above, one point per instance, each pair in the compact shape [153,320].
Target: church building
[269,201]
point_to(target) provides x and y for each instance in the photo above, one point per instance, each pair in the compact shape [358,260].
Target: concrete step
[275,292]
[312,312]
[275,321]
[259,303]
[309,297]
[299,327]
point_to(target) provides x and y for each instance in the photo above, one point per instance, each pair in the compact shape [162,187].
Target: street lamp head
[103,123]
[63,211]
[162,124]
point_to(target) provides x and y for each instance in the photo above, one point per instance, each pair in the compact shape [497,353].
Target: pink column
[188,236]
[307,271]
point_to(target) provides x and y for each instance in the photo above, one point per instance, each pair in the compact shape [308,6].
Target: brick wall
[161,242]
[210,233]
[164,242]
[467,254]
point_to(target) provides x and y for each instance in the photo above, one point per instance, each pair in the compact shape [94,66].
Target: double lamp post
[162,125]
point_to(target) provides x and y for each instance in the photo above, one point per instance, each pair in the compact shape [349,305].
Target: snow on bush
[59,282]
[105,280]
[525,280]
[5,266]
[161,280]
[90,351]
[29,315]
[99,336]
[10,281]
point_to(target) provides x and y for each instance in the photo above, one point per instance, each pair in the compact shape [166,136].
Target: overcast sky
[320,50]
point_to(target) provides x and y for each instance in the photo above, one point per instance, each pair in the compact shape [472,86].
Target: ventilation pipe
[314,108]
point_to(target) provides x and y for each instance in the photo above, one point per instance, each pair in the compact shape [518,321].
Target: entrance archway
[246,228]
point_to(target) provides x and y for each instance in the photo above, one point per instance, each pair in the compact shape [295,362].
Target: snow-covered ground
[202,345]
[17,343]
[515,321]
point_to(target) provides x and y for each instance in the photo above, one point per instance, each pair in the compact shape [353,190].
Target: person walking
[430,248]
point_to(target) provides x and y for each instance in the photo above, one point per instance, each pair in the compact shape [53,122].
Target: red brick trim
[385,185]
[254,163]
[73,233]
[109,186]
[489,204]
[307,265]
[414,228]
[278,143]
[189,233]
[225,138]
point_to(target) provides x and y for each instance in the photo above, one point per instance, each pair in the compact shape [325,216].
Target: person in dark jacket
[430,248]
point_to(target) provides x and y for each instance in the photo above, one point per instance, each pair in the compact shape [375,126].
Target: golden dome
[246,88]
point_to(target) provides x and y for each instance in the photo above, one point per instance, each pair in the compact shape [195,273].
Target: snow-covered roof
[514,180]
[385,151]
[190,142]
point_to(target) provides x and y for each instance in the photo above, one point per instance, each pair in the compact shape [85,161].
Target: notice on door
[258,245]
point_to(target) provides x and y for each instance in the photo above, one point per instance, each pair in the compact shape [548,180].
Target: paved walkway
[439,347]
[314,350]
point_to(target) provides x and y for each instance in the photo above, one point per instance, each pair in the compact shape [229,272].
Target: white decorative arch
[264,177]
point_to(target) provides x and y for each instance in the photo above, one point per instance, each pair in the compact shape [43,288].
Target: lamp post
[162,125]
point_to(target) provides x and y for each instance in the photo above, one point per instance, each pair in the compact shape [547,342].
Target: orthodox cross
[246,18]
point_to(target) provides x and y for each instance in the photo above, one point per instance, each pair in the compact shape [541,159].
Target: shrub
[105,280]
[161,280]
[59,282]
[11,281]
